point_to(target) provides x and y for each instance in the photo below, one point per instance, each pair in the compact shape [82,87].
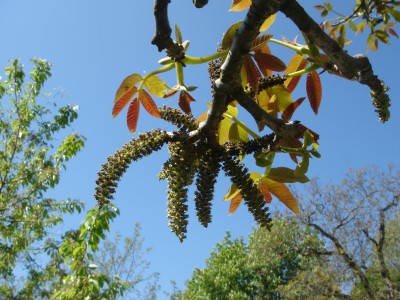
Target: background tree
[126,260]
[31,160]
[289,254]
[356,219]
[345,240]
[33,152]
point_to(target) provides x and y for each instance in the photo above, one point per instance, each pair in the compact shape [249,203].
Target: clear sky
[95,44]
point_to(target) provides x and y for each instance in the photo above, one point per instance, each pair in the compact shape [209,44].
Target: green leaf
[156,86]
[232,192]
[229,35]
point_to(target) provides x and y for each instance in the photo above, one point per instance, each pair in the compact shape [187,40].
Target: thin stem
[298,49]
[190,60]
[163,69]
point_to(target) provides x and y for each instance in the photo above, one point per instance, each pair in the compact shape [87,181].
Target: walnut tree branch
[350,67]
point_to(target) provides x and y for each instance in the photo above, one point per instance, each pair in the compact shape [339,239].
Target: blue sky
[95,44]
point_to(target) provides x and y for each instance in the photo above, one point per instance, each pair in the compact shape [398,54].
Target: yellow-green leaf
[232,192]
[282,192]
[239,5]
[237,134]
[126,86]
[283,97]
[229,35]
[268,22]
[156,86]
[223,131]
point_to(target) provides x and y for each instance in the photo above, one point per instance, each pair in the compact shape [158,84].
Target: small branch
[347,258]
[350,67]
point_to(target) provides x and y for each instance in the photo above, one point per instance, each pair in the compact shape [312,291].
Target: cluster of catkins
[189,162]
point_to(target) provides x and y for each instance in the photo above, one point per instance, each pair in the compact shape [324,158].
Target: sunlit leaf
[288,112]
[237,133]
[229,35]
[268,22]
[282,192]
[122,102]
[178,34]
[133,115]
[283,174]
[125,92]
[156,86]
[148,103]
[239,5]
[232,110]
[223,130]
[296,63]
[314,90]
[232,192]
[235,202]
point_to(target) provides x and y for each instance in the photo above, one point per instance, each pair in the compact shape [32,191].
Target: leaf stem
[299,49]
[309,69]
[163,69]
[190,60]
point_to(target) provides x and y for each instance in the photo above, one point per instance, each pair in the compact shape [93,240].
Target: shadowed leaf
[252,72]
[314,90]
[133,115]
[184,102]
[260,41]
[269,62]
[288,112]
[283,174]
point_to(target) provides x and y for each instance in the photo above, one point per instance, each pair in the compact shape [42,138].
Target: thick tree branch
[162,38]
[230,81]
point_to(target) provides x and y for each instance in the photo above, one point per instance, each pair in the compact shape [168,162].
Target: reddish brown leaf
[269,62]
[267,195]
[123,101]
[133,115]
[297,63]
[235,202]
[288,113]
[252,72]
[148,103]
[393,32]
[260,41]
[184,102]
[314,90]
[294,158]
[170,93]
